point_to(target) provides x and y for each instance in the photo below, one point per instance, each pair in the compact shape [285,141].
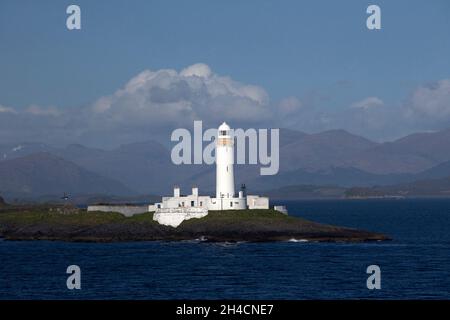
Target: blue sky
[319,52]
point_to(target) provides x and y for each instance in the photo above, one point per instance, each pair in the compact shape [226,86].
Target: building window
[223,132]
[201,203]
[182,204]
[192,203]
[231,204]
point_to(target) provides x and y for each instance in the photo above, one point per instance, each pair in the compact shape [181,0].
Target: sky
[139,69]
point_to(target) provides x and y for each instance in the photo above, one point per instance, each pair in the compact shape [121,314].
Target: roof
[224,126]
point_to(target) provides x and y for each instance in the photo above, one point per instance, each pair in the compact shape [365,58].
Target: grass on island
[251,225]
[244,215]
[82,217]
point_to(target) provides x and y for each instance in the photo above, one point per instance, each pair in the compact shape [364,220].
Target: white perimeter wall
[127,211]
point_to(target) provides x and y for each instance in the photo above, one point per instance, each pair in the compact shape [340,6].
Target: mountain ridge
[42,173]
[333,157]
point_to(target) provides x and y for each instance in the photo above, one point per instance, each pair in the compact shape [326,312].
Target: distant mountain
[305,159]
[334,157]
[43,173]
[411,154]
[345,177]
[12,151]
[145,166]
[439,171]
[288,136]
[322,150]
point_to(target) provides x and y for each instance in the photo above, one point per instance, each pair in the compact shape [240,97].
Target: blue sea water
[415,265]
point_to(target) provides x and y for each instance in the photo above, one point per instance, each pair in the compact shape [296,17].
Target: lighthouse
[174,209]
[224,163]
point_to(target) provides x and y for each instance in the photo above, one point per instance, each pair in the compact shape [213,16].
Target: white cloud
[197,70]
[4,109]
[431,101]
[40,111]
[368,103]
[154,102]
[166,98]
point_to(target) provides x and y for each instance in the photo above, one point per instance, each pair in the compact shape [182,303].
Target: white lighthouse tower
[224,163]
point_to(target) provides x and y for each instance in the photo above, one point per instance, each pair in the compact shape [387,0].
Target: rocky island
[73,224]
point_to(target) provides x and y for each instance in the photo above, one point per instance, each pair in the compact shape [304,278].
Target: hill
[43,173]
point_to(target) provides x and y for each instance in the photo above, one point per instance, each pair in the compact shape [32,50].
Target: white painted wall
[257,202]
[175,216]
[281,209]
[126,210]
[228,204]
[185,201]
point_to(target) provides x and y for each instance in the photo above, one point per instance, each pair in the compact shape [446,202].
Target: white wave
[297,240]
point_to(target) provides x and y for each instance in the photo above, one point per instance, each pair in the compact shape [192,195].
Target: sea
[414,265]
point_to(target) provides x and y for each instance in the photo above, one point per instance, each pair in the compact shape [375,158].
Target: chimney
[243,190]
[195,191]
[176,191]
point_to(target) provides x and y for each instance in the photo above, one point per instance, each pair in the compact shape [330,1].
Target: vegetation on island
[73,224]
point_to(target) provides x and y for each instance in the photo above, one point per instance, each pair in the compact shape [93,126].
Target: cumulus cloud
[170,98]
[152,103]
[198,70]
